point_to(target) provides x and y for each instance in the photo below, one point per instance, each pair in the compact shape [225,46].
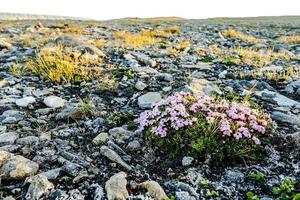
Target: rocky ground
[80,141]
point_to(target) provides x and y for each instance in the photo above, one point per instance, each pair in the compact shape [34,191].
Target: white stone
[25,101]
[54,102]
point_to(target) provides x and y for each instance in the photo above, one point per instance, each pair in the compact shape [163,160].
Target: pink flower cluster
[168,114]
[178,111]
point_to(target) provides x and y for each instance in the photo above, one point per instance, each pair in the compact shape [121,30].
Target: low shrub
[207,127]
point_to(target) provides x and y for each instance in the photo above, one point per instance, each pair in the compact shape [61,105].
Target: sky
[112,9]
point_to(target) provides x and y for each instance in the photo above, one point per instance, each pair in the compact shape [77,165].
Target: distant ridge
[18,16]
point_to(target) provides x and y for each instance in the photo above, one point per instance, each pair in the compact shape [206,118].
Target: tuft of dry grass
[60,64]
[290,39]
[172,30]
[247,56]
[145,38]
[108,83]
[230,33]
[179,48]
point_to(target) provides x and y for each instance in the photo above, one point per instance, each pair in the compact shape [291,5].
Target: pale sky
[110,9]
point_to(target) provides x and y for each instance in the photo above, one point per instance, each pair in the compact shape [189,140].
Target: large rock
[276,98]
[285,118]
[116,187]
[149,99]
[39,186]
[8,138]
[16,166]
[54,102]
[154,189]
[25,101]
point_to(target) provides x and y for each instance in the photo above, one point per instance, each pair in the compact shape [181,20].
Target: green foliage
[206,59]
[251,196]
[286,191]
[108,84]
[124,71]
[229,60]
[203,139]
[170,198]
[211,193]
[203,182]
[117,118]
[258,176]
[87,107]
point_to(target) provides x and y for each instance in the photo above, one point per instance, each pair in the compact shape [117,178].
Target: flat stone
[200,66]
[285,118]
[25,101]
[276,98]
[116,187]
[54,102]
[149,99]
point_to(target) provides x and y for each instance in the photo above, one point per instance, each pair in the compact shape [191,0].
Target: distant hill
[17,16]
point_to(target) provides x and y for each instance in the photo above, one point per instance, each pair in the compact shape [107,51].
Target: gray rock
[8,138]
[70,113]
[183,196]
[187,161]
[16,167]
[113,156]
[295,137]
[276,98]
[52,174]
[28,140]
[39,186]
[99,193]
[75,195]
[134,145]
[119,134]
[286,118]
[293,88]
[116,187]
[234,176]
[25,101]
[54,102]
[149,99]
[200,66]
[140,85]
